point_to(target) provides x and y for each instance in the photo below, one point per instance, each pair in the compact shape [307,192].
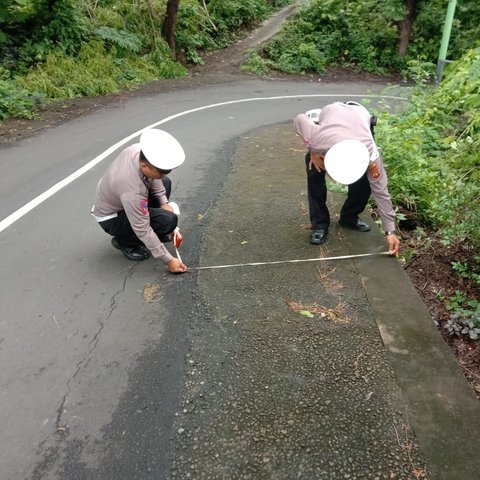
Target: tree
[169,25]
[405,26]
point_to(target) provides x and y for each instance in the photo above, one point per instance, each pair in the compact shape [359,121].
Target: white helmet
[347,161]
[161,149]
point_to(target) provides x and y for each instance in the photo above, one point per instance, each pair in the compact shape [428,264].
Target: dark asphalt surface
[363,389]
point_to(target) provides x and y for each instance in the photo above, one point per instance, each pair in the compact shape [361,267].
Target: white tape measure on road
[321,259]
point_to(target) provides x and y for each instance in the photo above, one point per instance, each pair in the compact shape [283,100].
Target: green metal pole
[447,29]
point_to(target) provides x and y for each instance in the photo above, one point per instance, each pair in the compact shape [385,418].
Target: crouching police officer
[132,198]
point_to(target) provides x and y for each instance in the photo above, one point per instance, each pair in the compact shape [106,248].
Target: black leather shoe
[359,226]
[317,237]
[137,253]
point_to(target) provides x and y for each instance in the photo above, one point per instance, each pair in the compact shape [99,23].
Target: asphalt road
[91,371]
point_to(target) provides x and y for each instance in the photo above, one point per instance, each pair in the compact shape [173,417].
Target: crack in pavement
[51,453]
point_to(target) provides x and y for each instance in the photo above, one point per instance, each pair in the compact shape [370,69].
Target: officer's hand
[393,245]
[167,206]
[176,266]
[317,161]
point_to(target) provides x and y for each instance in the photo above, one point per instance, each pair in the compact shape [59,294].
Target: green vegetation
[367,35]
[465,271]
[58,49]
[336,32]
[95,71]
[432,153]
[465,317]
[15,101]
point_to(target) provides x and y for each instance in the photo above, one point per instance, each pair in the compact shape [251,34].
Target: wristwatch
[390,232]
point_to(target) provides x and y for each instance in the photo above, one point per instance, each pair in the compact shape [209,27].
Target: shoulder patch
[144,206]
[373,170]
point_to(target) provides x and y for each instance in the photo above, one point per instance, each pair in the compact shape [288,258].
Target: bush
[338,32]
[306,58]
[31,30]
[255,64]
[364,34]
[431,150]
[68,49]
[465,316]
[427,30]
[119,38]
[96,72]
[17,102]
[194,31]
[234,14]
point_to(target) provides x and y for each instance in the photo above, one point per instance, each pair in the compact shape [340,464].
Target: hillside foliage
[365,35]
[58,49]
[432,150]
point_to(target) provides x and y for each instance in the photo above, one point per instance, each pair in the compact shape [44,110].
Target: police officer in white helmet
[132,199]
[341,143]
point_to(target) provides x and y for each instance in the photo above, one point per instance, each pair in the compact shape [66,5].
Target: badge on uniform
[374,170]
[144,207]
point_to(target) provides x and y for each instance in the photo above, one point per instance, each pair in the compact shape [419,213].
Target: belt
[103,219]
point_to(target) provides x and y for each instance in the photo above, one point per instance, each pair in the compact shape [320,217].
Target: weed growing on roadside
[465,316]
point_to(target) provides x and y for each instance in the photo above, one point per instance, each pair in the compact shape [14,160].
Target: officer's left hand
[393,245]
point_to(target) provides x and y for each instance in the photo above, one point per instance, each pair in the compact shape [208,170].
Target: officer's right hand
[316,160]
[176,266]
[393,245]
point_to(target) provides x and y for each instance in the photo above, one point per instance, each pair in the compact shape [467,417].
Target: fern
[125,40]
[474,73]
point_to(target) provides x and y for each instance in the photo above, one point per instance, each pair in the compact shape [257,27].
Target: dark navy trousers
[357,199]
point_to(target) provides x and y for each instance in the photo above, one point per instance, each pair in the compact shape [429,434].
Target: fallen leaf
[418,472]
[152,293]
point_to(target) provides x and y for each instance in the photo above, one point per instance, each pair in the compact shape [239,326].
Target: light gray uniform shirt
[124,187]
[337,122]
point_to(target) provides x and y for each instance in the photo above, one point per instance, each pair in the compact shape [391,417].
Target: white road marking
[28,207]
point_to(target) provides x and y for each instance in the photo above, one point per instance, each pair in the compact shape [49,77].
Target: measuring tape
[323,259]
